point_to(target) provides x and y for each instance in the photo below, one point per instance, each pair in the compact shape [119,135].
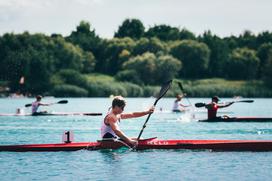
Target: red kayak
[55,114]
[151,143]
[238,119]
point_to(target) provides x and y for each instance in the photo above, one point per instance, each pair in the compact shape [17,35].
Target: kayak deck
[152,143]
[55,114]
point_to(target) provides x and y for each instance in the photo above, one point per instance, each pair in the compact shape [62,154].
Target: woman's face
[119,109]
[215,100]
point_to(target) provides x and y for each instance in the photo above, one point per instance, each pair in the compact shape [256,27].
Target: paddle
[59,102]
[181,88]
[164,89]
[200,104]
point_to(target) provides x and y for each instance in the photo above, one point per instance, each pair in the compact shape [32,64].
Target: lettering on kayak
[157,142]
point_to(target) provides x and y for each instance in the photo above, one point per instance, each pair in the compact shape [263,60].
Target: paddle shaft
[203,104]
[246,101]
[141,132]
[181,88]
[59,102]
[162,92]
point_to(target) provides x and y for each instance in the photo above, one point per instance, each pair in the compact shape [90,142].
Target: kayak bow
[151,143]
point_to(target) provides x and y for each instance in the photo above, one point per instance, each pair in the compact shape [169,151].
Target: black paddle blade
[180,86]
[164,88]
[28,105]
[62,102]
[247,101]
[92,114]
[200,104]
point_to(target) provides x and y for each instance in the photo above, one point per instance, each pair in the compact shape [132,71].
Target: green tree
[152,69]
[16,65]
[132,28]
[242,64]
[219,53]
[66,55]
[85,37]
[163,32]
[88,62]
[113,55]
[38,77]
[152,45]
[26,55]
[194,57]
[263,53]
[167,68]
[31,64]
[36,57]
[264,37]
[267,76]
[185,34]
[247,39]
[232,42]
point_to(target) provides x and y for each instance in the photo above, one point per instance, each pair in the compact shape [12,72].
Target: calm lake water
[123,164]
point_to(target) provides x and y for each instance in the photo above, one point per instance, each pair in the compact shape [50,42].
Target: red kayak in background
[238,119]
[151,143]
[54,114]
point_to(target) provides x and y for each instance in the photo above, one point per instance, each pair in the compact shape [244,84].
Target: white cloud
[18,4]
[88,2]
[222,17]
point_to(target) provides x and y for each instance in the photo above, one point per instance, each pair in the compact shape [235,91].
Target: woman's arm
[209,106]
[184,105]
[225,105]
[114,126]
[42,104]
[137,114]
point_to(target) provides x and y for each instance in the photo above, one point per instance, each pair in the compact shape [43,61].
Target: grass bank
[225,88]
[99,85]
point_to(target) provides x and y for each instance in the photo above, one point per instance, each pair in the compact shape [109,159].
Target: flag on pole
[22,80]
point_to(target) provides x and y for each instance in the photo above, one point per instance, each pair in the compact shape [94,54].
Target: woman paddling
[35,106]
[214,106]
[178,107]
[110,124]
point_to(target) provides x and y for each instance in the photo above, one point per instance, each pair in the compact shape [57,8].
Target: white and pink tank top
[106,128]
[35,106]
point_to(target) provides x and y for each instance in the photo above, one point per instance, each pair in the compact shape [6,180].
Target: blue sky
[222,17]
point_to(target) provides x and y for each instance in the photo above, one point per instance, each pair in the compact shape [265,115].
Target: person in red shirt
[214,106]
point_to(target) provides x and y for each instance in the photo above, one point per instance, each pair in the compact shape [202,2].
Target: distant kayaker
[178,107]
[35,105]
[214,106]
[110,124]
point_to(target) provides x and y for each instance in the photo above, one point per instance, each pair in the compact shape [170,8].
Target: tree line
[55,64]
